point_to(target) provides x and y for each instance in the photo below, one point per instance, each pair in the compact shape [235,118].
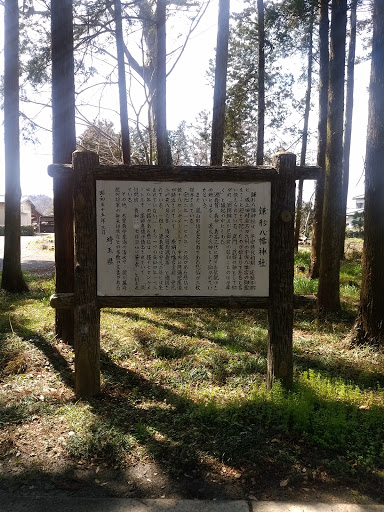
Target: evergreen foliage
[284,41]
[358,226]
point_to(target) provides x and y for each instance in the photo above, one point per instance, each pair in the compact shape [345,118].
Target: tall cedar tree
[369,325]
[329,280]
[243,71]
[304,139]
[64,144]
[125,142]
[152,68]
[147,69]
[218,118]
[161,86]
[12,278]
[260,83]
[348,114]
[314,267]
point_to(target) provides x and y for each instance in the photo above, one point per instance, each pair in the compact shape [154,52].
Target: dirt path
[37,252]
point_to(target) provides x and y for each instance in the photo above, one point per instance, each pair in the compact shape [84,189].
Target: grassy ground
[184,410]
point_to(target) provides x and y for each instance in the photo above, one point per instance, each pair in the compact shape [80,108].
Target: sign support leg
[86,311]
[280,313]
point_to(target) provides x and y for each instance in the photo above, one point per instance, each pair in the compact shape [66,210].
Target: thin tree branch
[191,30]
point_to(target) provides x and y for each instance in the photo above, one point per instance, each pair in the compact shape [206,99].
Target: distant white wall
[25,213]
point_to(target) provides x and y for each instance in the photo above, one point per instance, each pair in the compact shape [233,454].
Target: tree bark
[304,139]
[161,89]
[260,84]
[125,142]
[299,205]
[12,277]
[348,116]
[219,96]
[329,279]
[370,321]
[314,268]
[64,144]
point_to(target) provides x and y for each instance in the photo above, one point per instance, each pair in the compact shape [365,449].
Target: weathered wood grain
[188,173]
[280,357]
[86,310]
[66,300]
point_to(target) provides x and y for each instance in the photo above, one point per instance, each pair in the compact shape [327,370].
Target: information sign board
[182,238]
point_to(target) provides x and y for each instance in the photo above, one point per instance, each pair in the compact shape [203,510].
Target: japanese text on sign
[183,239]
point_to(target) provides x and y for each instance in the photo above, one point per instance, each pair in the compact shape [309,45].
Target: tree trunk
[304,139]
[260,84]
[348,116]
[329,279]
[12,277]
[125,142]
[308,217]
[64,144]
[161,89]
[314,268]
[219,96]
[299,205]
[148,70]
[151,136]
[369,325]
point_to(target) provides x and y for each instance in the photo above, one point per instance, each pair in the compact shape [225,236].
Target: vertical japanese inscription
[183,239]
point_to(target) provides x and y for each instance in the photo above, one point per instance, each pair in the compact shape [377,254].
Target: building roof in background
[351,211]
[22,200]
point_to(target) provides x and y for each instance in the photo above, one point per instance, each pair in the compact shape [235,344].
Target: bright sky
[187,94]
[187,91]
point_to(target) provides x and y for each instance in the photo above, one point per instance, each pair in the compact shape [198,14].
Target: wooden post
[280,313]
[86,311]
[63,212]
[64,143]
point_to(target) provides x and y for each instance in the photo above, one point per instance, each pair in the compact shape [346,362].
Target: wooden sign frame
[86,304]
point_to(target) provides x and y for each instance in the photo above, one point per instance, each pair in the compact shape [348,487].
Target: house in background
[35,217]
[358,208]
[26,209]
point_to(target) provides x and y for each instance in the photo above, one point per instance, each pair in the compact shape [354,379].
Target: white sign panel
[183,239]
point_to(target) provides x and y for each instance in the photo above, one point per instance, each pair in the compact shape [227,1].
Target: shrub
[24,231]
[27,231]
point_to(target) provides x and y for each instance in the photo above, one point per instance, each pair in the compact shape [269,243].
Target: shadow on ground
[187,449]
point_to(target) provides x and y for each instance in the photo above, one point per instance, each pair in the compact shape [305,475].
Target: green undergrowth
[186,388]
[350,276]
[335,421]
